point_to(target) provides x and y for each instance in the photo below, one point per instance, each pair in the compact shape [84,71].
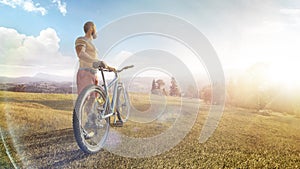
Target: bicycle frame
[85,128]
[115,84]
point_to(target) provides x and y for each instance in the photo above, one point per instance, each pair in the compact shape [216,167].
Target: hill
[36,78]
[39,131]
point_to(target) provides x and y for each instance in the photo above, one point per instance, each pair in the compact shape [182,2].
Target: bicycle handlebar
[126,67]
[102,66]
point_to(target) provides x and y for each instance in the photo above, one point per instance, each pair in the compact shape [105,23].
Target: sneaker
[90,135]
[90,126]
[118,123]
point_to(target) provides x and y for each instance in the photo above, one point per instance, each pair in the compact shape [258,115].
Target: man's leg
[85,78]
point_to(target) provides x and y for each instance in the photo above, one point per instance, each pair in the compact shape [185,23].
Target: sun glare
[285,74]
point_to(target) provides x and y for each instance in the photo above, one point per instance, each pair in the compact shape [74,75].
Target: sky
[38,36]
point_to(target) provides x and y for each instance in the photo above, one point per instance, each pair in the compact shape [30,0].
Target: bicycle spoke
[89,129]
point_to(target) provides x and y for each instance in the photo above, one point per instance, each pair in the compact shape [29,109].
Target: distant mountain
[36,78]
[55,78]
[140,84]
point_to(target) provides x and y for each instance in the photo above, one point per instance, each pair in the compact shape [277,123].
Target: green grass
[244,138]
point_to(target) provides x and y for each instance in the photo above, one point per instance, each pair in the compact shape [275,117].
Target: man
[86,75]
[87,54]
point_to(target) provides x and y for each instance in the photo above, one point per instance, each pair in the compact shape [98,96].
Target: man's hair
[87,26]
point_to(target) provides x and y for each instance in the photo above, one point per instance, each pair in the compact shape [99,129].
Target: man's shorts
[85,78]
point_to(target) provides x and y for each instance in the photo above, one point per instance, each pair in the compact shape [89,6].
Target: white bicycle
[94,108]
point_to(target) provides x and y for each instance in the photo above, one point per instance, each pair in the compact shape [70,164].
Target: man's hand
[111,69]
[102,64]
[99,64]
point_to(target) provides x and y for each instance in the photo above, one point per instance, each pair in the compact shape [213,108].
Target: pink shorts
[85,78]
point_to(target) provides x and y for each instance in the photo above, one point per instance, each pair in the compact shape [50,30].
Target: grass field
[243,139]
[27,113]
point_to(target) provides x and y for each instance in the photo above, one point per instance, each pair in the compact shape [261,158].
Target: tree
[160,84]
[206,94]
[153,85]
[158,87]
[174,90]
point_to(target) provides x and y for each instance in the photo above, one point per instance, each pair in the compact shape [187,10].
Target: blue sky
[35,34]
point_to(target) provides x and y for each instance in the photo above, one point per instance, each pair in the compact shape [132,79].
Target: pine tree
[153,85]
[160,84]
[174,90]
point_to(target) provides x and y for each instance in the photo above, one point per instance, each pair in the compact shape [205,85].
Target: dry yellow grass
[243,139]
[26,113]
[35,112]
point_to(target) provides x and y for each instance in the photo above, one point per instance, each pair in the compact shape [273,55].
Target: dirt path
[51,149]
[58,149]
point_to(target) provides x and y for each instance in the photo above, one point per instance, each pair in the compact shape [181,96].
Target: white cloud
[30,6]
[36,54]
[290,11]
[27,5]
[291,16]
[10,3]
[119,58]
[62,6]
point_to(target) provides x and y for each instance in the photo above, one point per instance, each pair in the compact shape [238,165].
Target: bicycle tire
[78,113]
[123,104]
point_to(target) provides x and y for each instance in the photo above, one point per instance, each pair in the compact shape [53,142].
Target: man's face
[94,32]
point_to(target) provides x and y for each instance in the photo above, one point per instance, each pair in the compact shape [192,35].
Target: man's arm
[81,53]
[80,46]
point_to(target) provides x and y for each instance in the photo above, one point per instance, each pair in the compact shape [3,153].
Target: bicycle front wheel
[90,130]
[123,105]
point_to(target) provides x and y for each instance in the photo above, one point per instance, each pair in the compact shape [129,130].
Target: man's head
[90,29]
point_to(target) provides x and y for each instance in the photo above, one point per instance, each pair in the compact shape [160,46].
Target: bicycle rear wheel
[90,130]
[123,105]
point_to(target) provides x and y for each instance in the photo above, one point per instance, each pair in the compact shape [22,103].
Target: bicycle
[94,108]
